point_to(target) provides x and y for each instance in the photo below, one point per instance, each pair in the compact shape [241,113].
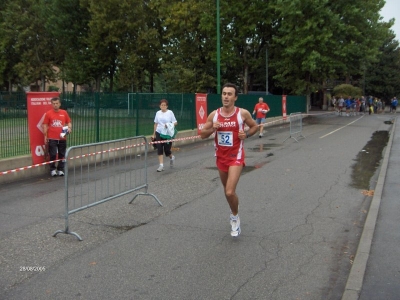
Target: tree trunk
[151,83]
[98,81]
[325,103]
[43,81]
[245,79]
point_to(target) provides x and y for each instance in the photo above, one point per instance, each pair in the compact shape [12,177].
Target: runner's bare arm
[249,121]
[209,127]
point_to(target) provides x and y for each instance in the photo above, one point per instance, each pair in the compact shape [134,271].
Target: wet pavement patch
[368,160]
[263,147]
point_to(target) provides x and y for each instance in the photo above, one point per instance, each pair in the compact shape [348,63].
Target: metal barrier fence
[296,126]
[99,172]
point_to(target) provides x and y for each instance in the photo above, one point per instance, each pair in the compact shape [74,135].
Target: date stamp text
[32,269]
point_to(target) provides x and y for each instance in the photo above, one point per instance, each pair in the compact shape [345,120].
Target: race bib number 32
[225,138]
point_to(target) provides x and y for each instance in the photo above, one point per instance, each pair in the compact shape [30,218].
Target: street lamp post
[218,53]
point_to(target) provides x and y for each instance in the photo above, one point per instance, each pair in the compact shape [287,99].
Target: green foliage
[170,46]
[25,37]
[346,90]
[382,78]
[53,88]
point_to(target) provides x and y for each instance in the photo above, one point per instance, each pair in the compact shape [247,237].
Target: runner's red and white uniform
[229,148]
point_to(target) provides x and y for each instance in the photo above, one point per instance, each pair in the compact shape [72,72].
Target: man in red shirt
[261,108]
[228,124]
[54,136]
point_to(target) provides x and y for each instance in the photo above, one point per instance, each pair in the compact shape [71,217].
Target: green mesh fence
[14,139]
[293,103]
[98,117]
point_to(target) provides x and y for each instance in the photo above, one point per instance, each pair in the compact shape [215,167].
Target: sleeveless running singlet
[228,146]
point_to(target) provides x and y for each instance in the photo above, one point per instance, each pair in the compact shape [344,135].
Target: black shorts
[163,147]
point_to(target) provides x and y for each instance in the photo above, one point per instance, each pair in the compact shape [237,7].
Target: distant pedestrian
[375,105]
[379,106]
[371,109]
[56,125]
[340,105]
[394,104]
[261,109]
[362,105]
[358,106]
[164,118]
[228,124]
[334,102]
[348,104]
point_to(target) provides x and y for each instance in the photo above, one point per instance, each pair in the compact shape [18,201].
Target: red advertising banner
[284,107]
[38,103]
[201,111]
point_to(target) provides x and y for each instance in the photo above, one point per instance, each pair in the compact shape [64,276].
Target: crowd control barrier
[99,172]
[296,126]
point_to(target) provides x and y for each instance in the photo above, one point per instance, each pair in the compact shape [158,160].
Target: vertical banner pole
[284,107]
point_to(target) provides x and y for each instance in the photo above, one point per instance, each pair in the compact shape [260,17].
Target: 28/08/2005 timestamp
[31,269]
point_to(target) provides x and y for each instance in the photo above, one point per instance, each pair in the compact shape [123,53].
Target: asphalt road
[301,222]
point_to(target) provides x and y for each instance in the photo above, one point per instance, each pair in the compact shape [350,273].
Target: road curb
[356,277]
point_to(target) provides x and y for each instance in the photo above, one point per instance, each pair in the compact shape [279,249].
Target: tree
[188,55]
[68,22]
[304,48]
[24,32]
[346,90]
[382,78]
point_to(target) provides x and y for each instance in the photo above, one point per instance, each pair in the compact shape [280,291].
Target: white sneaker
[160,168]
[60,173]
[53,173]
[235,224]
[172,160]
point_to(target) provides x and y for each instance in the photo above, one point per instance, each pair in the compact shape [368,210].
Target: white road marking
[321,137]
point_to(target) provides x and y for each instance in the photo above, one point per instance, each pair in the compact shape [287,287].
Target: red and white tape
[96,153]
[121,148]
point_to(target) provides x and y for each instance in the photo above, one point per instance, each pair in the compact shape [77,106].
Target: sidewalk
[375,273]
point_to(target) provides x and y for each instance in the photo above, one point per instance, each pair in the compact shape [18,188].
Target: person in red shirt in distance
[261,109]
[228,124]
[53,123]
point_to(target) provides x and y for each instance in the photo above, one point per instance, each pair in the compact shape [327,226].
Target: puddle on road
[368,160]
[263,147]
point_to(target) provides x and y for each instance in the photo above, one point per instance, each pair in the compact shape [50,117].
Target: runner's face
[56,105]
[228,97]
[163,107]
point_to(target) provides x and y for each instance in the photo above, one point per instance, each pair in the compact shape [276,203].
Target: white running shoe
[60,173]
[160,168]
[53,173]
[235,224]
[171,161]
